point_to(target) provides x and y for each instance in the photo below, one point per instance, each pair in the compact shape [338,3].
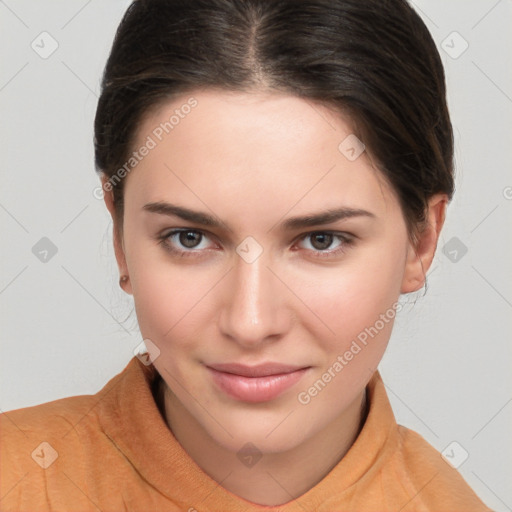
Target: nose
[254,311]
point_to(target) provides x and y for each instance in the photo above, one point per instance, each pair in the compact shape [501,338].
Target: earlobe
[420,253]
[108,197]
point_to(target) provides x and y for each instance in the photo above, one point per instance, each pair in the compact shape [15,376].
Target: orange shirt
[113,452]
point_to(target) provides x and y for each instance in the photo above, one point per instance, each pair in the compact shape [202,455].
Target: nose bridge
[253,309]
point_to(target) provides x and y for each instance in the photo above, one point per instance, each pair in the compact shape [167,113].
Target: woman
[277,173]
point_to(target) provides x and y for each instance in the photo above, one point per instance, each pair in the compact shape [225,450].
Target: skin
[253,160]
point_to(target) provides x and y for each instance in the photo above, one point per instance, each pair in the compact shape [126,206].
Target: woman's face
[254,278]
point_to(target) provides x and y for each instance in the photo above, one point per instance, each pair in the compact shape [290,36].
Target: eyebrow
[292,223]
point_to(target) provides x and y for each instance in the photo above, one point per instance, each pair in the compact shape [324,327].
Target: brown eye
[190,239]
[185,242]
[321,241]
[324,244]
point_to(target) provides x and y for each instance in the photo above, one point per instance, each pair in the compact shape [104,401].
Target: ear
[421,252]
[108,197]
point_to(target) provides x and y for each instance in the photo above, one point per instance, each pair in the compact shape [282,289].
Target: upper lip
[260,370]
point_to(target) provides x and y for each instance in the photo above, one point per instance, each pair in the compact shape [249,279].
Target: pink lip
[255,383]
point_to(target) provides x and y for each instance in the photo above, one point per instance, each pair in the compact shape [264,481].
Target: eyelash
[346,241]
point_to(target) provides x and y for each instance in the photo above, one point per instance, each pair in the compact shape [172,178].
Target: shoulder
[64,419]
[30,434]
[71,418]
[71,421]
[429,478]
[50,453]
[63,455]
[35,441]
[57,417]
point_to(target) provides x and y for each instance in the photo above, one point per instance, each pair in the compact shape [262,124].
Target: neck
[286,469]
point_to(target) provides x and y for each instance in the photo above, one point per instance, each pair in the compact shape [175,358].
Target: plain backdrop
[67,328]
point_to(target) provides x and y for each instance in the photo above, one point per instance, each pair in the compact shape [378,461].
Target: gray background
[66,327]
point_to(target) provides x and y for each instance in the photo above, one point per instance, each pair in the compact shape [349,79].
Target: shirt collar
[130,417]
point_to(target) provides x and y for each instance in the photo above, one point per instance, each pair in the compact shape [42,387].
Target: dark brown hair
[374,60]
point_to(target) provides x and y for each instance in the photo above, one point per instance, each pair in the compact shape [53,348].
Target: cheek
[173,302]
[360,307]
[158,294]
[166,302]
[351,298]
[167,309]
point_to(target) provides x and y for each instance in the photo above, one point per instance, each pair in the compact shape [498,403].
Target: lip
[259,383]
[260,370]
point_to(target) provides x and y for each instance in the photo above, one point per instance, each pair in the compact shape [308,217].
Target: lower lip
[255,389]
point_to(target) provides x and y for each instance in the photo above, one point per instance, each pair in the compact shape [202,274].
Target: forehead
[252,148]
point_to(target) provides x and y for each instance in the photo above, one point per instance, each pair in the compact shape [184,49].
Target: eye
[184,242]
[320,241]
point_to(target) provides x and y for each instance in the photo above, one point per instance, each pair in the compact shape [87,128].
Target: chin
[267,432]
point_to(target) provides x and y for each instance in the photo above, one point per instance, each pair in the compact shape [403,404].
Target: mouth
[259,383]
